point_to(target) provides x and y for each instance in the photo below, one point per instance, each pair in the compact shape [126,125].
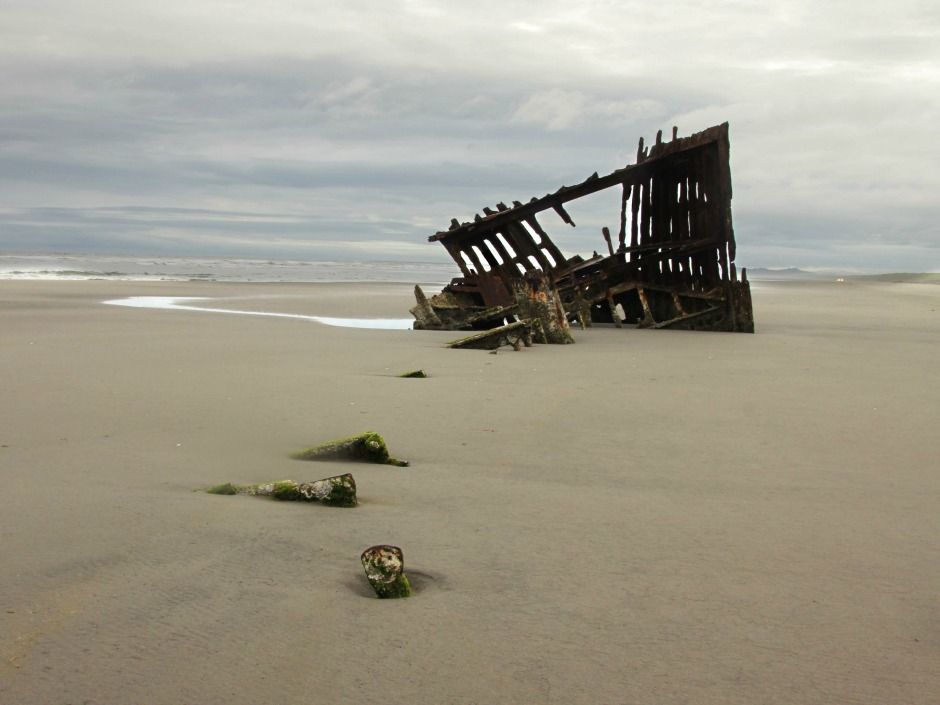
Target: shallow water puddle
[175,303]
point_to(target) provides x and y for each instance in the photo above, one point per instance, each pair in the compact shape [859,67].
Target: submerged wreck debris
[337,491]
[385,570]
[414,374]
[538,301]
[669,265]
[516,334]
[369,447]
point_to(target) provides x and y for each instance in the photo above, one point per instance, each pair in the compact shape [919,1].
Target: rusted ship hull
[669,265]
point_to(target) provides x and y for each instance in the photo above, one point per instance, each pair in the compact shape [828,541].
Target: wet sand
[643,517]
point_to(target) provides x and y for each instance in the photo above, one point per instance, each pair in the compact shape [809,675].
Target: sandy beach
[645,517]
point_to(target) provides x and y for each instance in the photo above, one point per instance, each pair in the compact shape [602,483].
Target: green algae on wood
[385,569]
[369,447]
[517,334]
[414,374]
[337,491]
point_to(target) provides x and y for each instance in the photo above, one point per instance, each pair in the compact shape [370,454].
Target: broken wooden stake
[337,491]
[423,313]
[369,447]
[385,570]
[537,299]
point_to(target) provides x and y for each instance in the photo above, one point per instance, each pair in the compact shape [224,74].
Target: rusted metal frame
[716,294]
[596,287]
[723,207]
[479,240]
[672,244]
[691,204]
[629,285]
[683,206]
[661,202]
[567,194]
[655,260]
[486,314]
[669,197]
[724,180]
[454,251]
[510,269]
[466,246]
[637,189]
[631,173]
[644,260]
[712,134]
[516,334]
[681,224]
[649,320]
[546,241]
[677,304]
[526,247]
[687,317]
[562,213]
[679,220]
[699,219]
[649,226]
[487,256]
[496,268]
[662,214]
[719,263]
[507,267]
[622,233]
[612,306]
[694,218]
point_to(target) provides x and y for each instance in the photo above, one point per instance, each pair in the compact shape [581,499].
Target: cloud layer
[351,130]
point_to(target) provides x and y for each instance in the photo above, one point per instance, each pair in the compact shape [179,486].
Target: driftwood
[385,571]
[669,264]
[337,491]
[368,447]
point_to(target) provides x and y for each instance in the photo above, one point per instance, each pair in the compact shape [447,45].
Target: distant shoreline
[794,274]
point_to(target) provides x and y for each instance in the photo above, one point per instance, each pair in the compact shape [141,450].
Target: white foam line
[172,303]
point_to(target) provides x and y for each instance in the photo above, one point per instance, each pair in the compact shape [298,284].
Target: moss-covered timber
[414,374]
[337,491]
[369,447]
[517,334]
[385,569]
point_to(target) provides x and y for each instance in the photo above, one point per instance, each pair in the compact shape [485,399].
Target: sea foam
[179,303]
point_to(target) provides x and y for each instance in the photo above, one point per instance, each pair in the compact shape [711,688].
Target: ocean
[221,269]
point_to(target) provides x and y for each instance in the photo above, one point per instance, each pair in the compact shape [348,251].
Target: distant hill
[795,274]
[762,273]
[899,277]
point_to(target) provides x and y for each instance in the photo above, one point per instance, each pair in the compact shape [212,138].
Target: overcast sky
[353,130]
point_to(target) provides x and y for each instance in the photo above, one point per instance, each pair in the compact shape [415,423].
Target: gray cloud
[229,127]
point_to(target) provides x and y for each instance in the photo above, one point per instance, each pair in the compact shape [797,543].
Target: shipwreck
[669,262]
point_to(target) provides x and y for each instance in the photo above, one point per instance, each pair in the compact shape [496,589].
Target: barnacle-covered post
[368,447]
[385,570]
[537,299]
[425,318]
[337,491]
